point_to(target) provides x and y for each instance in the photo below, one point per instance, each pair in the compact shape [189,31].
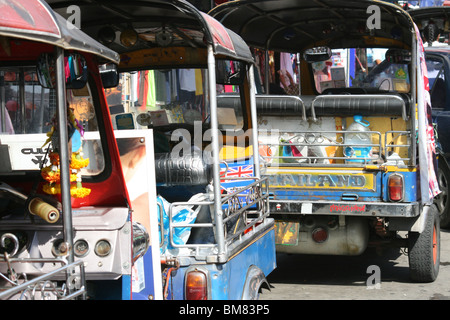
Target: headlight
[80,248]
[102,248]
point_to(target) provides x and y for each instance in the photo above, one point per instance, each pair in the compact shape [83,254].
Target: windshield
[27,114]
[369,68]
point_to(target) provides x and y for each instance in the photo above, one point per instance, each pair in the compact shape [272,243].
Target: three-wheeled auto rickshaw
[176,64]
[350,161]
[66,227]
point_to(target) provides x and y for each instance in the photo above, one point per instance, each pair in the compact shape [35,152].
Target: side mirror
[401,56]
[109,75]
[317,54]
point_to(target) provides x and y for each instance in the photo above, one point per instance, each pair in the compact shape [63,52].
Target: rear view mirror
[109,75]
[401,56]
[230,72]
[317,54]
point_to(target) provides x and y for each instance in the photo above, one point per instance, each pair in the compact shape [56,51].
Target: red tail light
[395,187]
[196,285]
[320,235]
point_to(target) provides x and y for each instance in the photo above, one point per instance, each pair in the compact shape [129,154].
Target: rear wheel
[424,249]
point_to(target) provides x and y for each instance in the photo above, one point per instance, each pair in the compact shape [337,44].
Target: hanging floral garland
[51,173]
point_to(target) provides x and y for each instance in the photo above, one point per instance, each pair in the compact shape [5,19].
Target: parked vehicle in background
[433,23]
[350,162]
[216,240]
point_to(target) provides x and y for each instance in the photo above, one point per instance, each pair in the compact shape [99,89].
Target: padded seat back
[363,104]
[189,170]
[268,105]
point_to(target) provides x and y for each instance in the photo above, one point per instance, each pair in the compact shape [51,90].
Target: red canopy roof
[28,16]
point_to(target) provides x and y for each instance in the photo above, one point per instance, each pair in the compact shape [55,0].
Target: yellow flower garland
[76,192]
[77,162]
[52,173]
[53,176]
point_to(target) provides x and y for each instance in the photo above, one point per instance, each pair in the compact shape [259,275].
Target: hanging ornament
[51,173]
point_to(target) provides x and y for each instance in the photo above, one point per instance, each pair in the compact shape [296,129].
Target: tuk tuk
[176,64]
[66,227]
[350,160]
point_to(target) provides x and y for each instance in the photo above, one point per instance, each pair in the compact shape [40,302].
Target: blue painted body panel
[380,192]
[149,280]
[227,279]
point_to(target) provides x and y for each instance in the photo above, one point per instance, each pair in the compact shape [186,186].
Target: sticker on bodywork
[286,233]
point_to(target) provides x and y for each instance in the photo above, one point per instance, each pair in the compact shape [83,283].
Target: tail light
[320,235]
[395,187]
[196,285]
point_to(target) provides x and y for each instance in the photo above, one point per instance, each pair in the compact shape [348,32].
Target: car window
[363,68]
[436,78]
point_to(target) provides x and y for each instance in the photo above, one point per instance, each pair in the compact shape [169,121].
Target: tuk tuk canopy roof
[439,16]
[429,13]
[34,20]
[295,25]
[156,23]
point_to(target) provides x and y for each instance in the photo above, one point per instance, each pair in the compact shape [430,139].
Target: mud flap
[415,224]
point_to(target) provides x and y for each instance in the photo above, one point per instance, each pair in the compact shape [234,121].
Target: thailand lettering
[320,180]
[347,208]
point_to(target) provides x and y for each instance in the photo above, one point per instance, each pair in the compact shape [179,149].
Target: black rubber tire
[442,200]
[424,249]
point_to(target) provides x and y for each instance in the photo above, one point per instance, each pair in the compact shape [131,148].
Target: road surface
[304,277]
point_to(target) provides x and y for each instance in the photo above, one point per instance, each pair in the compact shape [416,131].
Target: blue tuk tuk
[349,148]
[178,67]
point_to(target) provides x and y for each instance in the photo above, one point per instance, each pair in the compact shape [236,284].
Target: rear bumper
[367,209]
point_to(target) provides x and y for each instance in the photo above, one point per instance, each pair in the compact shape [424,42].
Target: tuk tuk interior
[347,67]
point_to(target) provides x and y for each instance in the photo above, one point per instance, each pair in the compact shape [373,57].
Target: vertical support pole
[298,74]
[2,102]
[218,213]
[61,111]
[266,71]
[254,121]
[414,75]
[21,102]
